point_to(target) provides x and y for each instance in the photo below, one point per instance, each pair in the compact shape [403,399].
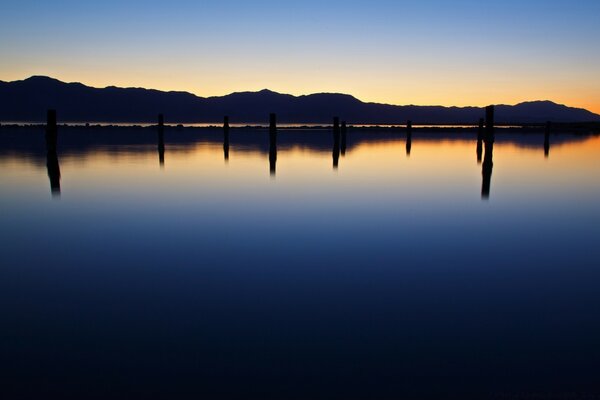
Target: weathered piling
[480,140]
[273,124]
[226,138]
[547,139]
[488,163]
[161,140]
[336,142]
[343,141]
[408,137]
[273,144]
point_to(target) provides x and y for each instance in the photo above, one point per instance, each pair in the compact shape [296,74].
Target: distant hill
[28,100]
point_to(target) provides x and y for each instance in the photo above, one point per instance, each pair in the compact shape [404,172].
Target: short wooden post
[161,121]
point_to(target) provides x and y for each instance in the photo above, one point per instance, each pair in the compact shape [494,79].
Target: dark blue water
[388,277]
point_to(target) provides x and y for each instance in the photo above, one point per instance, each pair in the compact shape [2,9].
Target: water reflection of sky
[378,277]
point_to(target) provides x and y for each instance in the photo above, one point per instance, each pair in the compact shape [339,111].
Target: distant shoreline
[522,127]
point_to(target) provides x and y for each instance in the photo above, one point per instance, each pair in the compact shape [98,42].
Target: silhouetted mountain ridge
[28,100]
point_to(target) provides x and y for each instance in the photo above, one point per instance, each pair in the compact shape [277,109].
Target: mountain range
[28,100]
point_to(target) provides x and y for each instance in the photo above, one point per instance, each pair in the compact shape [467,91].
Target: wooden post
[51,120]
[488,163]
[161,121]
[343,145]
[273,123]
[273,144]
[226,138]
[52,164]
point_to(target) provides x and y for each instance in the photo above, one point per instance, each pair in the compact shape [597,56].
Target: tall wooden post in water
[488,163]
[52,164]
[272,144]
[226,138]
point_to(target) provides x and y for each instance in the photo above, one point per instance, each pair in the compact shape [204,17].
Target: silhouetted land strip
[28,100]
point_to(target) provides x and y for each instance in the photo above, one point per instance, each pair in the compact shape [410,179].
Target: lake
[135,267]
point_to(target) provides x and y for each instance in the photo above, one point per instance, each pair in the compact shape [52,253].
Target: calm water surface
[138,269]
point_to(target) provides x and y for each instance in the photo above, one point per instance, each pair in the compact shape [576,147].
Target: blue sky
[425,52]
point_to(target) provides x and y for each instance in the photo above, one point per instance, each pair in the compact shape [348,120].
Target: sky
[426,52]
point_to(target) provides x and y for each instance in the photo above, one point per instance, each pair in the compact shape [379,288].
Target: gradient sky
[460,52]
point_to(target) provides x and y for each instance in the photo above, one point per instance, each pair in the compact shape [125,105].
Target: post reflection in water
[336,142]
[480,141]
[161,140]
[161,147]
[547,140]
[53,170]
[488,163]
[210,256]
[311,141]
[273,145]
[226,138]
